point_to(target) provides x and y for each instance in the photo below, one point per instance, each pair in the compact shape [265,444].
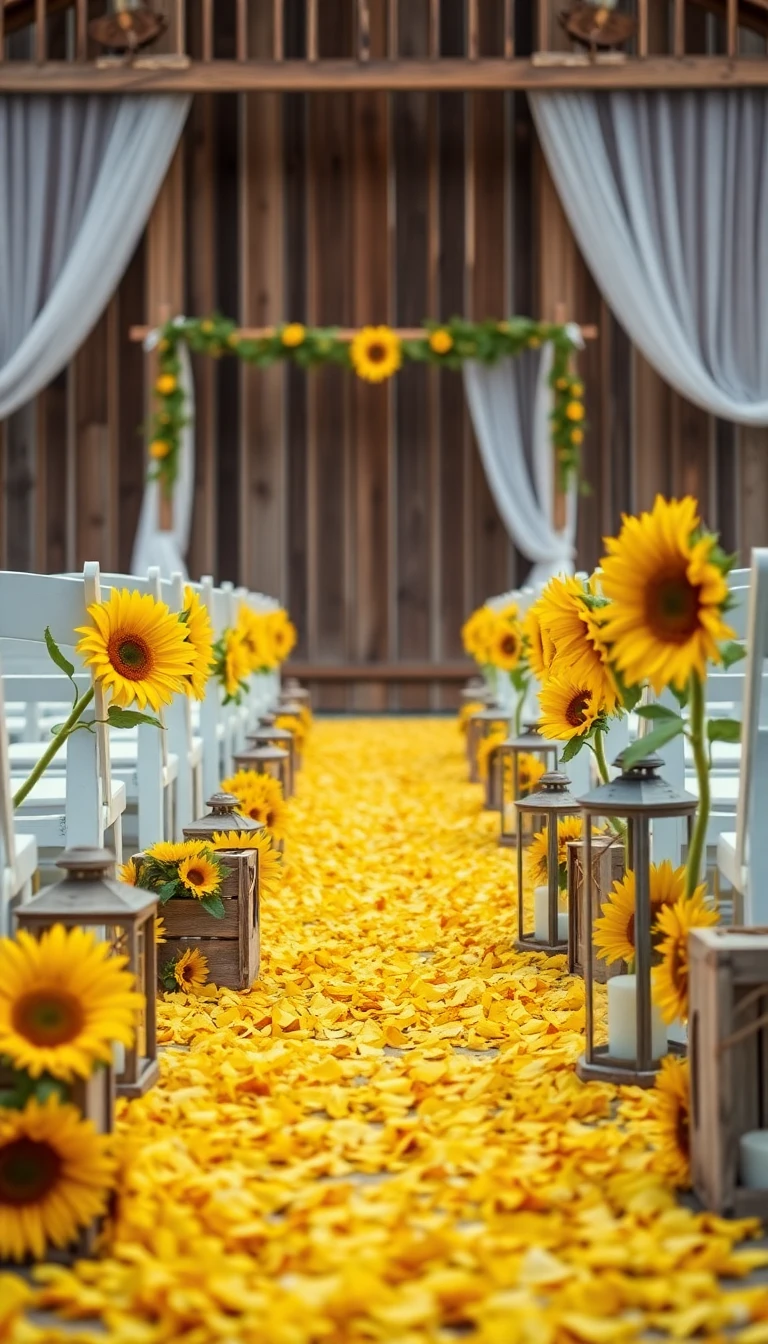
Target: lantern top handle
[553,794]
[639,791]
[86,862]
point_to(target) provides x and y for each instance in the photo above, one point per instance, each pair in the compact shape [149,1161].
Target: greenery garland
[374,353]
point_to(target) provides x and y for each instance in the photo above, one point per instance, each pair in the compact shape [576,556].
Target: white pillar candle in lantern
[541,917]
[622,1020]
[118,1056]
[753,1159]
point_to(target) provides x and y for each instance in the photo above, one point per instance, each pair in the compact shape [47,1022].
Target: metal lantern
[480,725]
[269,735]
[88,896]
[530,743]
[636,1034]
[545,806]
[290,709]
[476,691]
[293,690]
[223,816]
[272,761]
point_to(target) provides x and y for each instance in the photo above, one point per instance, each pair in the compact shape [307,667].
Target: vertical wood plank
[328,238]
[228,254]
[393,31]
[642,27]
[81,29]
[413,520]
[371,445]
[278,21]
[753,502]
[262,303]
[295,195]
[679,28]
[53,550]
[312,32]
[543,26]
[2,33]
[652,407]
[20,485]
[207,34]
[241,41]
[363,30]
[40,33]
[692,452]
[732,27]
[165,268]
[132,465]
[509,29]
[473,30]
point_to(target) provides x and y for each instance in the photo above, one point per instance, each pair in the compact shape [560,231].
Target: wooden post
[642,28]
[165,270]
[207,30]
[509,29]
[733,27]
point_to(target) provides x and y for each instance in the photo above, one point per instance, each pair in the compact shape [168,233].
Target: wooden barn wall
[364,508]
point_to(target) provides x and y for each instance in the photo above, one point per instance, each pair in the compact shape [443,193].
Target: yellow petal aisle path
[385,1139]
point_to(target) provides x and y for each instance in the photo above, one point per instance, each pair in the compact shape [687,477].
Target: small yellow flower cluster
[494,638]
[385,1140]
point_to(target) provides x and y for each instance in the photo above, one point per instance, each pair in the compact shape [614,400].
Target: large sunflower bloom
[173,851]
[55,1177]
[260,797]
[669,1130]
[191,969]
[529,771]
[137,648]
[270,865]
[375,353]
[487,746]
[665,618]
[576,637]
[568,829]
[569,707]
[282,634]
[200,876]
[506,646]
[235,667]
[615,927]
[200,636]
[255,639]
[64,999]
[670,979]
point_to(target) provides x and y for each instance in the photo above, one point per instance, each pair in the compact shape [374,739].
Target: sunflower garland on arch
[375,354]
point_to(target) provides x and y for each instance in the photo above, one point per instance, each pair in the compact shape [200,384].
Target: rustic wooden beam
[391,672]
[148,75]
[590,333]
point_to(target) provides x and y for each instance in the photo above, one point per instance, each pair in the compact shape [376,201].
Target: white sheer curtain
[153,545]
[78,178]
[667,194]
[510,404]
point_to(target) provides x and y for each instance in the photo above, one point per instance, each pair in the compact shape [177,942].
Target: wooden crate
[728,1050]
[231,944]
[607,868]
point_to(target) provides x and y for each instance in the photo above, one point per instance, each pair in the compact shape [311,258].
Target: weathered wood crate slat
[728,1049]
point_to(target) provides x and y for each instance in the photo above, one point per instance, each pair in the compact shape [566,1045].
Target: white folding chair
[742,854]
[79,805]
[18,853]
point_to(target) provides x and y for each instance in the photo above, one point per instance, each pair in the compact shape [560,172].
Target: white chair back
[751,838]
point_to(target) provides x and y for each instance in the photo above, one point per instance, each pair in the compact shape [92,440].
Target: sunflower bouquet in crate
[210,891]
[141,655]
[260,797]
[66,1004]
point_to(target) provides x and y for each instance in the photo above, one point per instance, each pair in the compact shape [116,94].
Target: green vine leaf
[732,652]
[724,730]
[572,748]
[646,746]
[658,712]
[214,906]
[129,718]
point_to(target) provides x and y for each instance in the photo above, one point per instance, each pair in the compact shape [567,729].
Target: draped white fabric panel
[510,403]
[667,194]
[78,178]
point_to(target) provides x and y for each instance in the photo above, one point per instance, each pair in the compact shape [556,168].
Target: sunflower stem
[66,730]
[602,763]
[699,745]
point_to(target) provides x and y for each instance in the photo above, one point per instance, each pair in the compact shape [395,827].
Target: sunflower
[173,851]
[670,979]
[487,746]
[577,640]
[64,999]
[128,873]
[670,1129]
[293,334]
[568,828]
[137,648]
[529,772]
[282,633]
[254,636]
[260,797]
[506,646]
[667,593]
[160,930]
[375,353]
[200,876]
[200,636]
[466,712]
[477,634]
[233,665]
[55,1177]
[615,928]
[293,725]
[568,707]
[440,341]
[270,866]
[540,650]
[190,970]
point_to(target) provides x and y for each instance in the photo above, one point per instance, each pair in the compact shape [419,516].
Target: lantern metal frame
[223,816]
[293,690]
[271,761]
[269,735]
[292,710]
[530,742]
[637,797]
[479,725]
[88,896]
[552,800]
[475,691]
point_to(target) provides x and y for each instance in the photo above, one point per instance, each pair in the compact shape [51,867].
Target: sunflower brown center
[576,712]
[48,1017]
[29,1171]
[631,929]
[196,877]
[376,352]
[683,1131]
[131,656]
[509,644]
[672,608]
